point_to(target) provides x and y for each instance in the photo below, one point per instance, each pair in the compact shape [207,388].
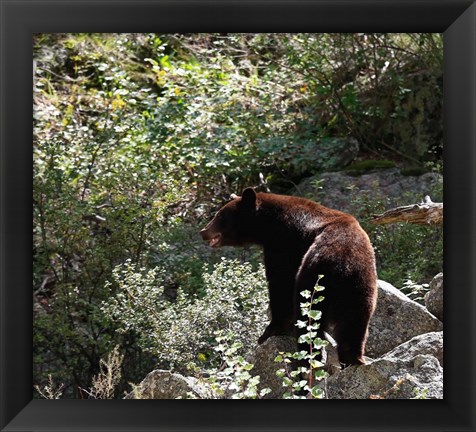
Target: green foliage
[181,331]
[361,85]
[404,252]
[420,393]
[292,376]
[415,291]
[361,167]
[232,378]
[407,252]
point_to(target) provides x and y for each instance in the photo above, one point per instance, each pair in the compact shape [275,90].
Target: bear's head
[233,224]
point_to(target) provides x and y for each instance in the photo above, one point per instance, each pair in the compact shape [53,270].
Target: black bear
[302,240]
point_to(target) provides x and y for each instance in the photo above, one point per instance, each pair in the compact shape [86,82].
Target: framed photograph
[23,21]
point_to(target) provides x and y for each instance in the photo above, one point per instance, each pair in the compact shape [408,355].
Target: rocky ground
[404,349]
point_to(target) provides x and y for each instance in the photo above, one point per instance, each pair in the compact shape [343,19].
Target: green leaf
[300,355]
[306,338]
[264,392]
[317,393]
[287,382]
[320,374]
[316,364]
[315,314]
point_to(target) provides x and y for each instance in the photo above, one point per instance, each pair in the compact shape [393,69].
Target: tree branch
[425,213]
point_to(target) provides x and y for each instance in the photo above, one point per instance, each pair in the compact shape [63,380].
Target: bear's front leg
[281,276]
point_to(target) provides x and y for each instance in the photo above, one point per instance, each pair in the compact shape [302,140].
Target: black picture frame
[20,19]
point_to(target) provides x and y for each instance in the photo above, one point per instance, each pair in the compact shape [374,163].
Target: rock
[412,369]
[350,194]
[428,343]
[434,297]
[397,319]
[266,367]
[162,384]
[404,373]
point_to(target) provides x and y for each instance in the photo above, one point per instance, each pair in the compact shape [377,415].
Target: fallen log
[425,213]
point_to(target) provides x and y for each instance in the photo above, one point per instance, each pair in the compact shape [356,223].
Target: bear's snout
[206,233]
[213,238]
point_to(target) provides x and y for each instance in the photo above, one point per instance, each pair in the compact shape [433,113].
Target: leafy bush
[361,85]
[403,251]
[415,291]
[231,379]
[182,331]
[408,252]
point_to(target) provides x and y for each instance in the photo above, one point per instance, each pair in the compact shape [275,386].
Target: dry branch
[425,213]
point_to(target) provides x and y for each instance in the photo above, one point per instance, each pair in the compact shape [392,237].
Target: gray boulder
[428,343]
[351,194]
[434,297]
[409,371]
[162,384]
[265,366]
[397,319]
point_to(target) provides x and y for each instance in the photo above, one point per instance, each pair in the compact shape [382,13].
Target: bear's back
[302,210]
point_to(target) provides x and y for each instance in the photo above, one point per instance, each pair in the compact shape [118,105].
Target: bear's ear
[248,197]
